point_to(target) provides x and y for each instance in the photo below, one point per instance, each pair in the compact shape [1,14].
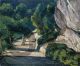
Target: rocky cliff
[67,17]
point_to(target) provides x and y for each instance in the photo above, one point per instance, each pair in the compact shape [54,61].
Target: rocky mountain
[67,17]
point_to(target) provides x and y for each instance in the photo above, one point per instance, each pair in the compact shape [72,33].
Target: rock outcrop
[67,17]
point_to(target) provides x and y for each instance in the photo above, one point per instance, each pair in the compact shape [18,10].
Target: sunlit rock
[67,17]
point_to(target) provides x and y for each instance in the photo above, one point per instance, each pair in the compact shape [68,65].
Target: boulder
[67,17]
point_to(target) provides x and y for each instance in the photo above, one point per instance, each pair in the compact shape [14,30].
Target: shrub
[62,53]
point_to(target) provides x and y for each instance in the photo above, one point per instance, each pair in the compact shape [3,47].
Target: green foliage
[30,12]
[44,22]
[62,53]
[16,19]
[21,7]
[4,45]
[36,19]
[13,20]
[21,10]
[17,12]
[6,9]
[48,37]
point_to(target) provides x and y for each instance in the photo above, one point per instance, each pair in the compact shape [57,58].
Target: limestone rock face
[67,17]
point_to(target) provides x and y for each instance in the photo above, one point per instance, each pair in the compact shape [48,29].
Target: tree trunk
[23,40]
[67,17]
[11,39]
[1,46]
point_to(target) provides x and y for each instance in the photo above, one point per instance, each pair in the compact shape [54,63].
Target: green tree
[6,9]
[7,24]
[3,35]
[24,28]
[62,53]
[44,21]
[37,20]
[21,10]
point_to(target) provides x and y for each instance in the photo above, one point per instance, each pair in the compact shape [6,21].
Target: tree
[3,35]
[45,24]
[61,52]
[29,12]
[7,24]
[21,9]
[24,28]
[6,9]
[37,20]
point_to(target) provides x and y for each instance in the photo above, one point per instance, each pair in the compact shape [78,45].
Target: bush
[48,37]
[62,53]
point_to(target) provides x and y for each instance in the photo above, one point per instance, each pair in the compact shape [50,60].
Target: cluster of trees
[63,54]
[43,20]
[14,22]
[17,12]
[17,20]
